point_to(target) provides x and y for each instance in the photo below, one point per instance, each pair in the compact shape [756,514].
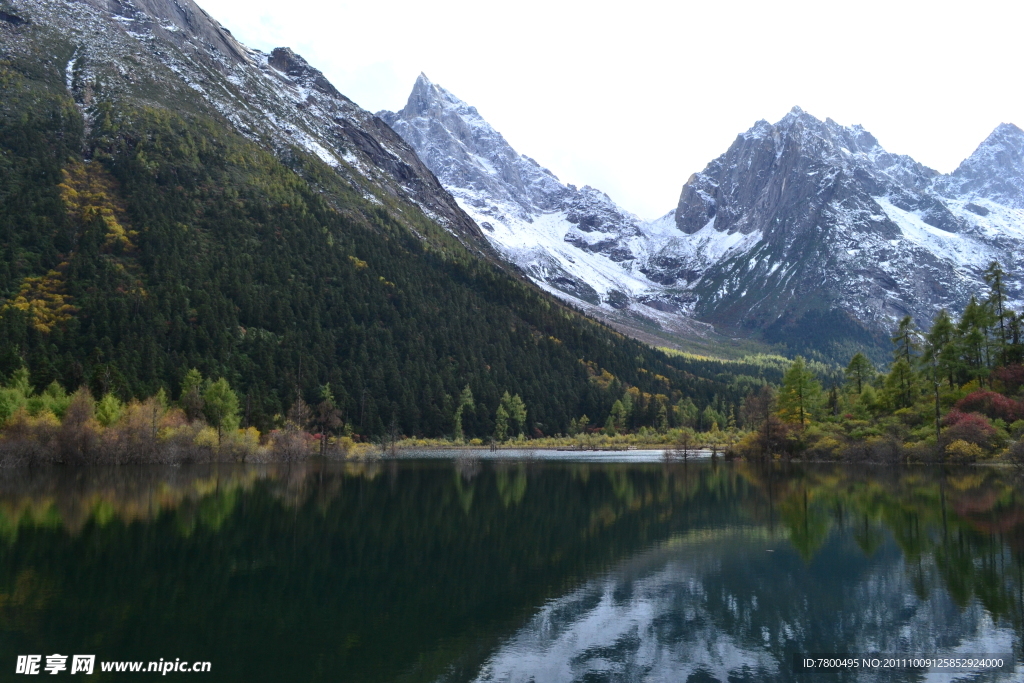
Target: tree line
[952,392]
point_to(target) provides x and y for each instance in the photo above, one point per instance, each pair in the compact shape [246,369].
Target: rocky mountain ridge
[804,232]
[848,230]
[171,200]
[574,242]
[174,54]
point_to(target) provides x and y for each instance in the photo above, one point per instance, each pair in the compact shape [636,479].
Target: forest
[952,393]
[140,243]
[164,279]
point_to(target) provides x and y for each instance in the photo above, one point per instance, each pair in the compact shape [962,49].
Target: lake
[608,567]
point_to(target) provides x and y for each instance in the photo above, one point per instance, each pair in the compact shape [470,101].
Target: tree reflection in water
[468,570]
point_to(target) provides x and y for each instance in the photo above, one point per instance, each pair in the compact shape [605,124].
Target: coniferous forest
[145,247]
[151,242]
[953,393]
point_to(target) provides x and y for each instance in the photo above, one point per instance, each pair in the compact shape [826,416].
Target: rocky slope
[574,242]
[172,53]
[170,199]
[805,232]
[836,228]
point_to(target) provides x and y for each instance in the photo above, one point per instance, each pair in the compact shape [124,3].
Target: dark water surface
[491,570]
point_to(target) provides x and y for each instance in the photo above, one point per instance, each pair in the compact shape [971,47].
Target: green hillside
[158,240]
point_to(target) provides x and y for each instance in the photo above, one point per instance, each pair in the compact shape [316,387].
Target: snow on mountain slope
[799,221]
[173,52]
[846,227]
[995,171]
[574,242]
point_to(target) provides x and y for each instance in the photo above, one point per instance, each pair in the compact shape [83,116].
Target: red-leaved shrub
[1010,376]
[969,427]
[992,405]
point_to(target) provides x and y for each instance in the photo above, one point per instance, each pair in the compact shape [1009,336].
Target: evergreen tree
[800,393]
[686,412]
[996,300]
[906,341]
[501,423]
[220,405]
[517,413]
[940,349]
[1015,350]
[191,394]
[901,384]
[973,330]
[661,423]
[327,416]
[618,416]
[108,410]
[859,372]
[582,424]
[465,401]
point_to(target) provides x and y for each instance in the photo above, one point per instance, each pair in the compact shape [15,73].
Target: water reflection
[469,569]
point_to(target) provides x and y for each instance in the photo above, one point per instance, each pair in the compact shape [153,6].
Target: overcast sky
[634,97]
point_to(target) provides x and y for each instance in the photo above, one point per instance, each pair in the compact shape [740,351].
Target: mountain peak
[1009,129]
[288,62]
[995,170]
[427,96]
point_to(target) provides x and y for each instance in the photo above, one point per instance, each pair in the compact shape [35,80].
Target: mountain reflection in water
[462,570]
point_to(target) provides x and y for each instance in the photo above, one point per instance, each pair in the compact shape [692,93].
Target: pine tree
[800,393]
[996,300]
[517,413]
[220,406]
[940,349]
[901,384]
[906,341]
[661,423]
[686,412]
[859,372]
[191,394]
[501,423]
[973,330]
[465,401]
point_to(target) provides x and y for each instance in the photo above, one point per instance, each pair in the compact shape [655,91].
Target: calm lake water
[498,570]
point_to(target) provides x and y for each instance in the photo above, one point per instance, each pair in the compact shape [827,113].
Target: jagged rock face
[465,152]
[834,224]
[805,231]
[994,171]
[575,242]
[172,52]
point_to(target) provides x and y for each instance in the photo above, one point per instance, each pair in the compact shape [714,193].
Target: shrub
[78,437]
[970,427]
[1010,376]
[825,448]
[961,451]
[1015,454]
[28,439]
[992,405]
[290,445]
[134,436]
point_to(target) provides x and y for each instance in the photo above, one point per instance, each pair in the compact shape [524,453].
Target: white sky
[634,97]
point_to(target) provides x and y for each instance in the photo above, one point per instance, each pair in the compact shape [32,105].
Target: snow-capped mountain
[574,242]
[841,232]
[172,53]
[805,231]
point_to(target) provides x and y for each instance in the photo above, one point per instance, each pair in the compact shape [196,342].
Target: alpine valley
[804,233]
[173,200]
